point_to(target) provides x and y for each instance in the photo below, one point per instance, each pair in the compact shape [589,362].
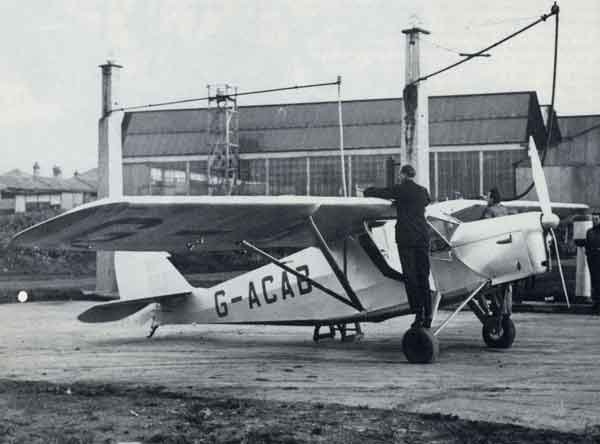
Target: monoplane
[345,270]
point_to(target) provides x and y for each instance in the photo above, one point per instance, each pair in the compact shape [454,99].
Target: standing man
[412,238]
[592,252]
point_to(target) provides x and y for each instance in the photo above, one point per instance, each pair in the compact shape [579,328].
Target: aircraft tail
[143,278]
[147,274]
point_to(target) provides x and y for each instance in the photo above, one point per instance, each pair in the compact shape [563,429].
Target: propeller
[549,220]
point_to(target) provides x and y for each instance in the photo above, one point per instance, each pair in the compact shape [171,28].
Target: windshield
[444,227]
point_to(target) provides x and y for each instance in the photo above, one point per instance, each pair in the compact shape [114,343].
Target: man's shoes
[417,323]
[427,323]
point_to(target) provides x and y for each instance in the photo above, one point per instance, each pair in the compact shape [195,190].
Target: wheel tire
[420,346]
[502,337]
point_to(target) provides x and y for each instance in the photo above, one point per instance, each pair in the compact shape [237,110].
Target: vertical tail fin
[147,274]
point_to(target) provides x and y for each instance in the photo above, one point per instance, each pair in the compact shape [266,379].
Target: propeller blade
[549,219]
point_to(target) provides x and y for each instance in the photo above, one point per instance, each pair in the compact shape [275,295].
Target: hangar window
[287,176]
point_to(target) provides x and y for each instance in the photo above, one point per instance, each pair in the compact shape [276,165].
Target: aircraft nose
[550,221]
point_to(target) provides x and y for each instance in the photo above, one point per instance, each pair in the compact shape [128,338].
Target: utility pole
[416,106]
[110,172]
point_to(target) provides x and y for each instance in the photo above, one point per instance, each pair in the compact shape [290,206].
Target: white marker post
[583,282]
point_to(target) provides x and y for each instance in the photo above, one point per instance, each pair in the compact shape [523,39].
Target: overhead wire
[553,11]
[550,120]
[237,94]
[500,22]
[582,132]
[442,47]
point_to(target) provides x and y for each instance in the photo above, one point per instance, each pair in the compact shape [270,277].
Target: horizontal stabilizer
[114,311]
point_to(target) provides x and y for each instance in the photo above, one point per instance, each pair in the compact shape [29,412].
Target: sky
[171,49]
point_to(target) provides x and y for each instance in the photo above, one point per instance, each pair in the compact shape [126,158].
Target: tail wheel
[499,333]
[420,346]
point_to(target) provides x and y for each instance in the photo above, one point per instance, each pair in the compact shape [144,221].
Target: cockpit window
[444,227]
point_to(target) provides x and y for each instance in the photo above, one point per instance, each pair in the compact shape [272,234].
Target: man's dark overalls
[412,238]
[592,252]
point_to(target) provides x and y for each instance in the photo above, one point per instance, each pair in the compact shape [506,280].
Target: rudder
[147,275]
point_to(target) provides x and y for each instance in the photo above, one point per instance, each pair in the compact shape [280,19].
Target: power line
[543,18]
[550,121]
[219,97]
[583,132]
[499,22]
[442,47]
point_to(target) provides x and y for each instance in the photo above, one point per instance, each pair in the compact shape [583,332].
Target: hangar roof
[453,120]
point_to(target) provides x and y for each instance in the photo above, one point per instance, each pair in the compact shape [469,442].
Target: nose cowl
[550,220]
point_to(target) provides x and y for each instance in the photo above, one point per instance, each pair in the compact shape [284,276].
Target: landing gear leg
[317,335]
[494,312]
[344,330]
[347,334]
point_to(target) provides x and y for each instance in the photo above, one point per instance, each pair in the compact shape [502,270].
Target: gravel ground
[273,384]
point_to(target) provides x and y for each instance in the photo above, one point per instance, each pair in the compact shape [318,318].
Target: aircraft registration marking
[272,291]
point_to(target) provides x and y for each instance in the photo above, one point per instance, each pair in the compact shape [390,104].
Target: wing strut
[334,265]
[301,276]
[460,307]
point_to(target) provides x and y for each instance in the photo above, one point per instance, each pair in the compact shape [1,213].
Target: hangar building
[572,167]
[476,142]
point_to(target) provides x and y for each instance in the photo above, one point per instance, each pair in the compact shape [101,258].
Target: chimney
[36,169]
[57,172]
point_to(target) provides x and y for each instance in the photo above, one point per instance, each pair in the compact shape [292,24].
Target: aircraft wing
[467,210]
[207,223]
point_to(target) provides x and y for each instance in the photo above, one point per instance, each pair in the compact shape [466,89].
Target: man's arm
[383,193]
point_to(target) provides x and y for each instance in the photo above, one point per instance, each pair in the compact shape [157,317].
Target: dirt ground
[63,381]
[39,412]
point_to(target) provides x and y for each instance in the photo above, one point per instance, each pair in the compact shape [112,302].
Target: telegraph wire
[550,121]
[499,22]
[218,97]
[553,11]
[582,133]
[442,47]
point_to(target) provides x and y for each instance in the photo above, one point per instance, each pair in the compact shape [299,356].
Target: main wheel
[499,333]
[420,346]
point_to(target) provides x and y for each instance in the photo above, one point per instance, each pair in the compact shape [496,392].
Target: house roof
[88,181]
[378,123]
[18,180]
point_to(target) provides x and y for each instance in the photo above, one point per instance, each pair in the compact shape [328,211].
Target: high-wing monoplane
[345,270]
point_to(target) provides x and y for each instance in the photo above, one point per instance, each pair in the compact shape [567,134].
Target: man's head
[494,196]
[407,172]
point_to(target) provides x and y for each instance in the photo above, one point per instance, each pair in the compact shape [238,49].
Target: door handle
[508,240]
